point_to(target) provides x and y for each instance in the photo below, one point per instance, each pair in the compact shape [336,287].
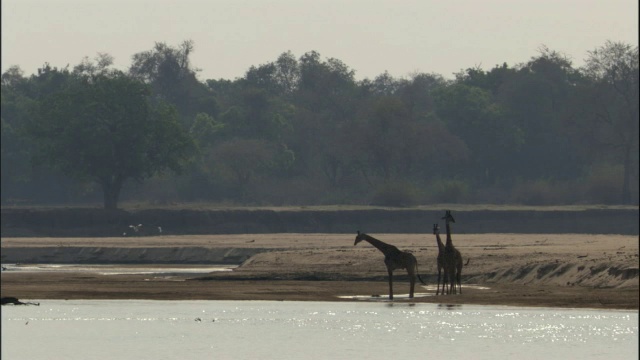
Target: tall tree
[172,77]
[280,77]
[238,162]
[472,114]
[103,129]
[14,110]
[535,98]
[612,106]
[417,94]
[21,180]
[325,106]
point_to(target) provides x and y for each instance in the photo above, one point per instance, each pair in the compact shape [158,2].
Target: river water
[148,329]
[120,269]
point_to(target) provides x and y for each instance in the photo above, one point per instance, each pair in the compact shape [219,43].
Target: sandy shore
[593,271]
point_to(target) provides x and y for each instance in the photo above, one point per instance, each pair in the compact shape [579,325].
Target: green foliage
[602,185]
[396,194]
[204,129]
[472,114]
[305,131]
[448,191]
[550,192]
[171,77]
[537,192]
[103,129]
[238,162]
[611,108]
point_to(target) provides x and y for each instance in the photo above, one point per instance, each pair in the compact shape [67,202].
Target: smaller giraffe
[440,260]
[394,259]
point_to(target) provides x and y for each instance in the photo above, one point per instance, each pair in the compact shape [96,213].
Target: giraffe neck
[382,246]
[440,244]
[449,242]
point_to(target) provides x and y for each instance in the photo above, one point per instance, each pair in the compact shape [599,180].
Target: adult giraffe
[452,258]
[394,259]
[440,260]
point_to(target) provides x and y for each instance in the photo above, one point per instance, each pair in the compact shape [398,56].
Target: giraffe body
[394,259]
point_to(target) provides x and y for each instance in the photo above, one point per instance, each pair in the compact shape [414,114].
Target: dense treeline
[305,131]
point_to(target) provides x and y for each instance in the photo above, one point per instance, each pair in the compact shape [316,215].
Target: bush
[448,191]
[490,195]
[545,192]
[604,184]
[534,192]
[396,193]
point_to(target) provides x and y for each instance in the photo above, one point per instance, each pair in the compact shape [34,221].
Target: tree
[279,78]
[535,98]
[491,80]
[470,113]
[287,72]
[240,161]
[103,129]
[612,104]
[385,135]
[324,107]
[382,85]
[16,175]
[172,78]
[326,86]
[417,94]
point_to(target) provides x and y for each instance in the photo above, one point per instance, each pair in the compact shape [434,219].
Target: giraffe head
[448,217]
[359,237]
[436,229]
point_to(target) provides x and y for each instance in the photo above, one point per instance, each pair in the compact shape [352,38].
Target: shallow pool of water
[147,329]
[118,269]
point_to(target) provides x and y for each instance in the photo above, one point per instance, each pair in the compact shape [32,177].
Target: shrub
[448,191]
[604,184]
[396,193]
[535,192]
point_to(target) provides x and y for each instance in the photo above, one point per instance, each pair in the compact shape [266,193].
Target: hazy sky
[369,36]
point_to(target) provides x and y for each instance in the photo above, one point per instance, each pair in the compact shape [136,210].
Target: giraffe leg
[445,282]
[452,279]
[438,285]
[459,278]
[390,284]
[412,282]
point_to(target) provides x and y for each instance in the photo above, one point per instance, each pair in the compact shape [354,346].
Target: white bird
[136,228]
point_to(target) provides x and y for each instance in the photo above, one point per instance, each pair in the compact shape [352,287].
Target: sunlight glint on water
[136,329]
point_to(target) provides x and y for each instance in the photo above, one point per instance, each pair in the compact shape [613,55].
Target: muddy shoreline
[560,270]
[78,286]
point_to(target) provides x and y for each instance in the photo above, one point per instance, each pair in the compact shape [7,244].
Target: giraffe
[440,262]
[452,258]
[394,259]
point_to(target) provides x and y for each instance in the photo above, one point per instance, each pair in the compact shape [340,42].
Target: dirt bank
[78,222]
[572,270]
